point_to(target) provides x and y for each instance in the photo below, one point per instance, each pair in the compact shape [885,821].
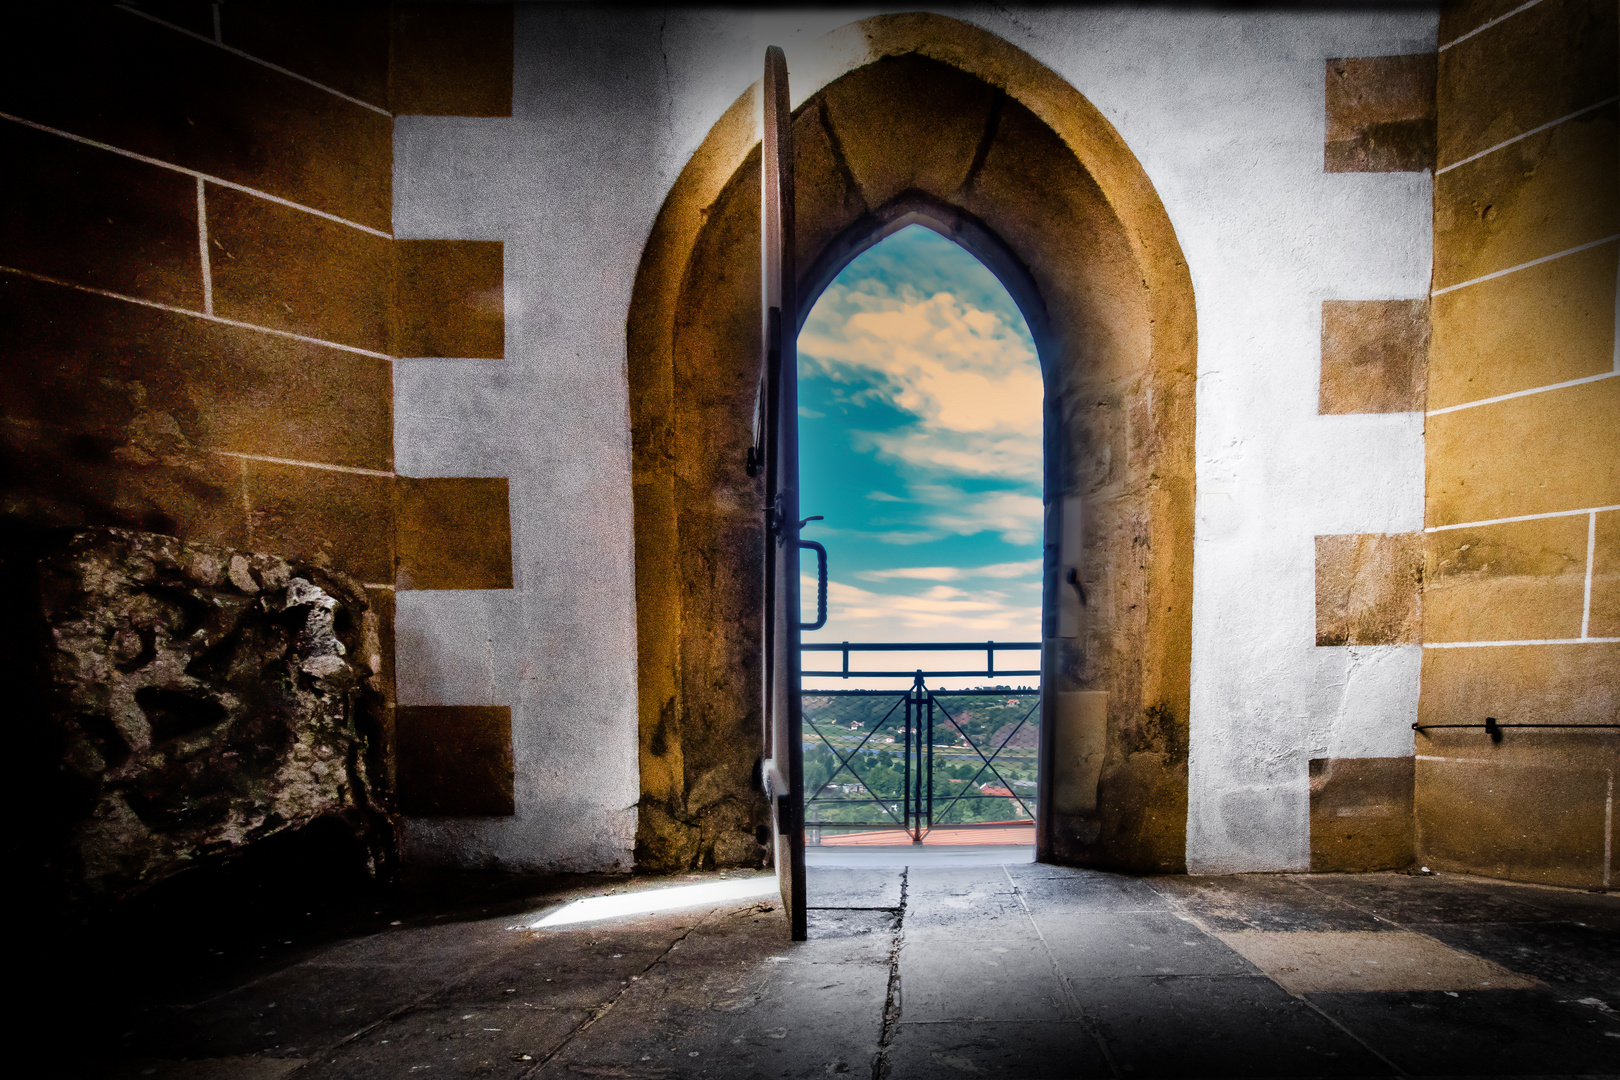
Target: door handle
[1074,579]
[821,585]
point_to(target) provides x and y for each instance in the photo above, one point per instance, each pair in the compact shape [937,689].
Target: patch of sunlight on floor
[647,901]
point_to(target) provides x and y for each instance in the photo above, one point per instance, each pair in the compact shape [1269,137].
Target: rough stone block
[1541,684]
[455,760]
[283,268]
[1546,193]
[1517,581]
[194,104]
[1361,813]
[1374,356]
[1604,620]
[449,299]
[1459,17]
[1531,807]
[148,384]
[203,699]
[1534,327]
[454,533]
[1367,588]
[826,195]
[1545,62]
[1380,114]
[1537,454]
[338,518]
[451,60]
[1081,743]
[344,46]
[95,218]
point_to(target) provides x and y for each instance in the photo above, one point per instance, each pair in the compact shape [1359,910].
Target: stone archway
[923,115]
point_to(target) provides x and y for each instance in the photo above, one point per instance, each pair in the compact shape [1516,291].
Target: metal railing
[919,758]
[989,648]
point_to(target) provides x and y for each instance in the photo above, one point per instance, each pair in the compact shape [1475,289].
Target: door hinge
[775,518]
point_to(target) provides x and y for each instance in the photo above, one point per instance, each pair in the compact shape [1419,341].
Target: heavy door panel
[783,765]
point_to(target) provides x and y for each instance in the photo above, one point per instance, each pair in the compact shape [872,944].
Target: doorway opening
[907,118]
[920,434]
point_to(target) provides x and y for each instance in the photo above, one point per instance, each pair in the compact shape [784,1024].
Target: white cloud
[1024,568]
[936,613]
[969,377]
[1015,516]
[946,511]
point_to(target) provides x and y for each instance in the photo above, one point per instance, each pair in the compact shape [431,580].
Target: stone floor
[973,970]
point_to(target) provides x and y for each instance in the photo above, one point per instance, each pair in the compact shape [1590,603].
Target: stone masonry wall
[1521,601]
[205,305]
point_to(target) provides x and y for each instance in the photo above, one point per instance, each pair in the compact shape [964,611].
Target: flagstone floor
[971,970]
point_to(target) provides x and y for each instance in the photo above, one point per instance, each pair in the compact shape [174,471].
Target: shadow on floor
[920,970]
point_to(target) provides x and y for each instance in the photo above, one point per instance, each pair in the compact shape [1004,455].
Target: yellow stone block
[1537,454]
[1518,581]
[1529,69]
[1605,616]
[1535,327]
[1532,807]
[912,124]
[1546,193]
[1540,684]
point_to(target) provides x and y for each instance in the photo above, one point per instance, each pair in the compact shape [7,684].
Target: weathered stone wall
[1522,549]
[205,305]
[199,699]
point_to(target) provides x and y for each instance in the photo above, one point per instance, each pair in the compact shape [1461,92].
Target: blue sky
[920,435]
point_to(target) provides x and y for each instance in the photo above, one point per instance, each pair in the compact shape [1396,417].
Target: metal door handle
[821,585]
[1074,579]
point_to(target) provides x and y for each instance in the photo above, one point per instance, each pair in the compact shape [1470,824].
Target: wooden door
[783,766]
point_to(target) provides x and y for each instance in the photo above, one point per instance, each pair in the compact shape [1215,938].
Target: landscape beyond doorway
[920,421]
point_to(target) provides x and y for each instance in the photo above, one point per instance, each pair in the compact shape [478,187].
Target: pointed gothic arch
[916,118]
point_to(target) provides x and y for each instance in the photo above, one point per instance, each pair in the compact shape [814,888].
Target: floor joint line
[1070,999]
[599,1011]
[891,1000]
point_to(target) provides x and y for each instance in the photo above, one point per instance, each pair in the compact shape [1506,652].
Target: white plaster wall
[1225,112]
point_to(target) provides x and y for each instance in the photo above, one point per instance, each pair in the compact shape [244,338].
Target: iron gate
[919,758]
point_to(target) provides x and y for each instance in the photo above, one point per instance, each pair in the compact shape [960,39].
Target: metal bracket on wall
[1495,729]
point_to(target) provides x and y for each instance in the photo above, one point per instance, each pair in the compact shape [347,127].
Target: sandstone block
[1538,326]
[1380,114]
[1537,454]
[1374,356]
[1546,193]
[1544,62]
[1515,581]
[1367,588]
[1361,813]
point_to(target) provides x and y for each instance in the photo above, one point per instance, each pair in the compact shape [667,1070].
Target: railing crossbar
[989,649]
[920,646]
[989,673]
